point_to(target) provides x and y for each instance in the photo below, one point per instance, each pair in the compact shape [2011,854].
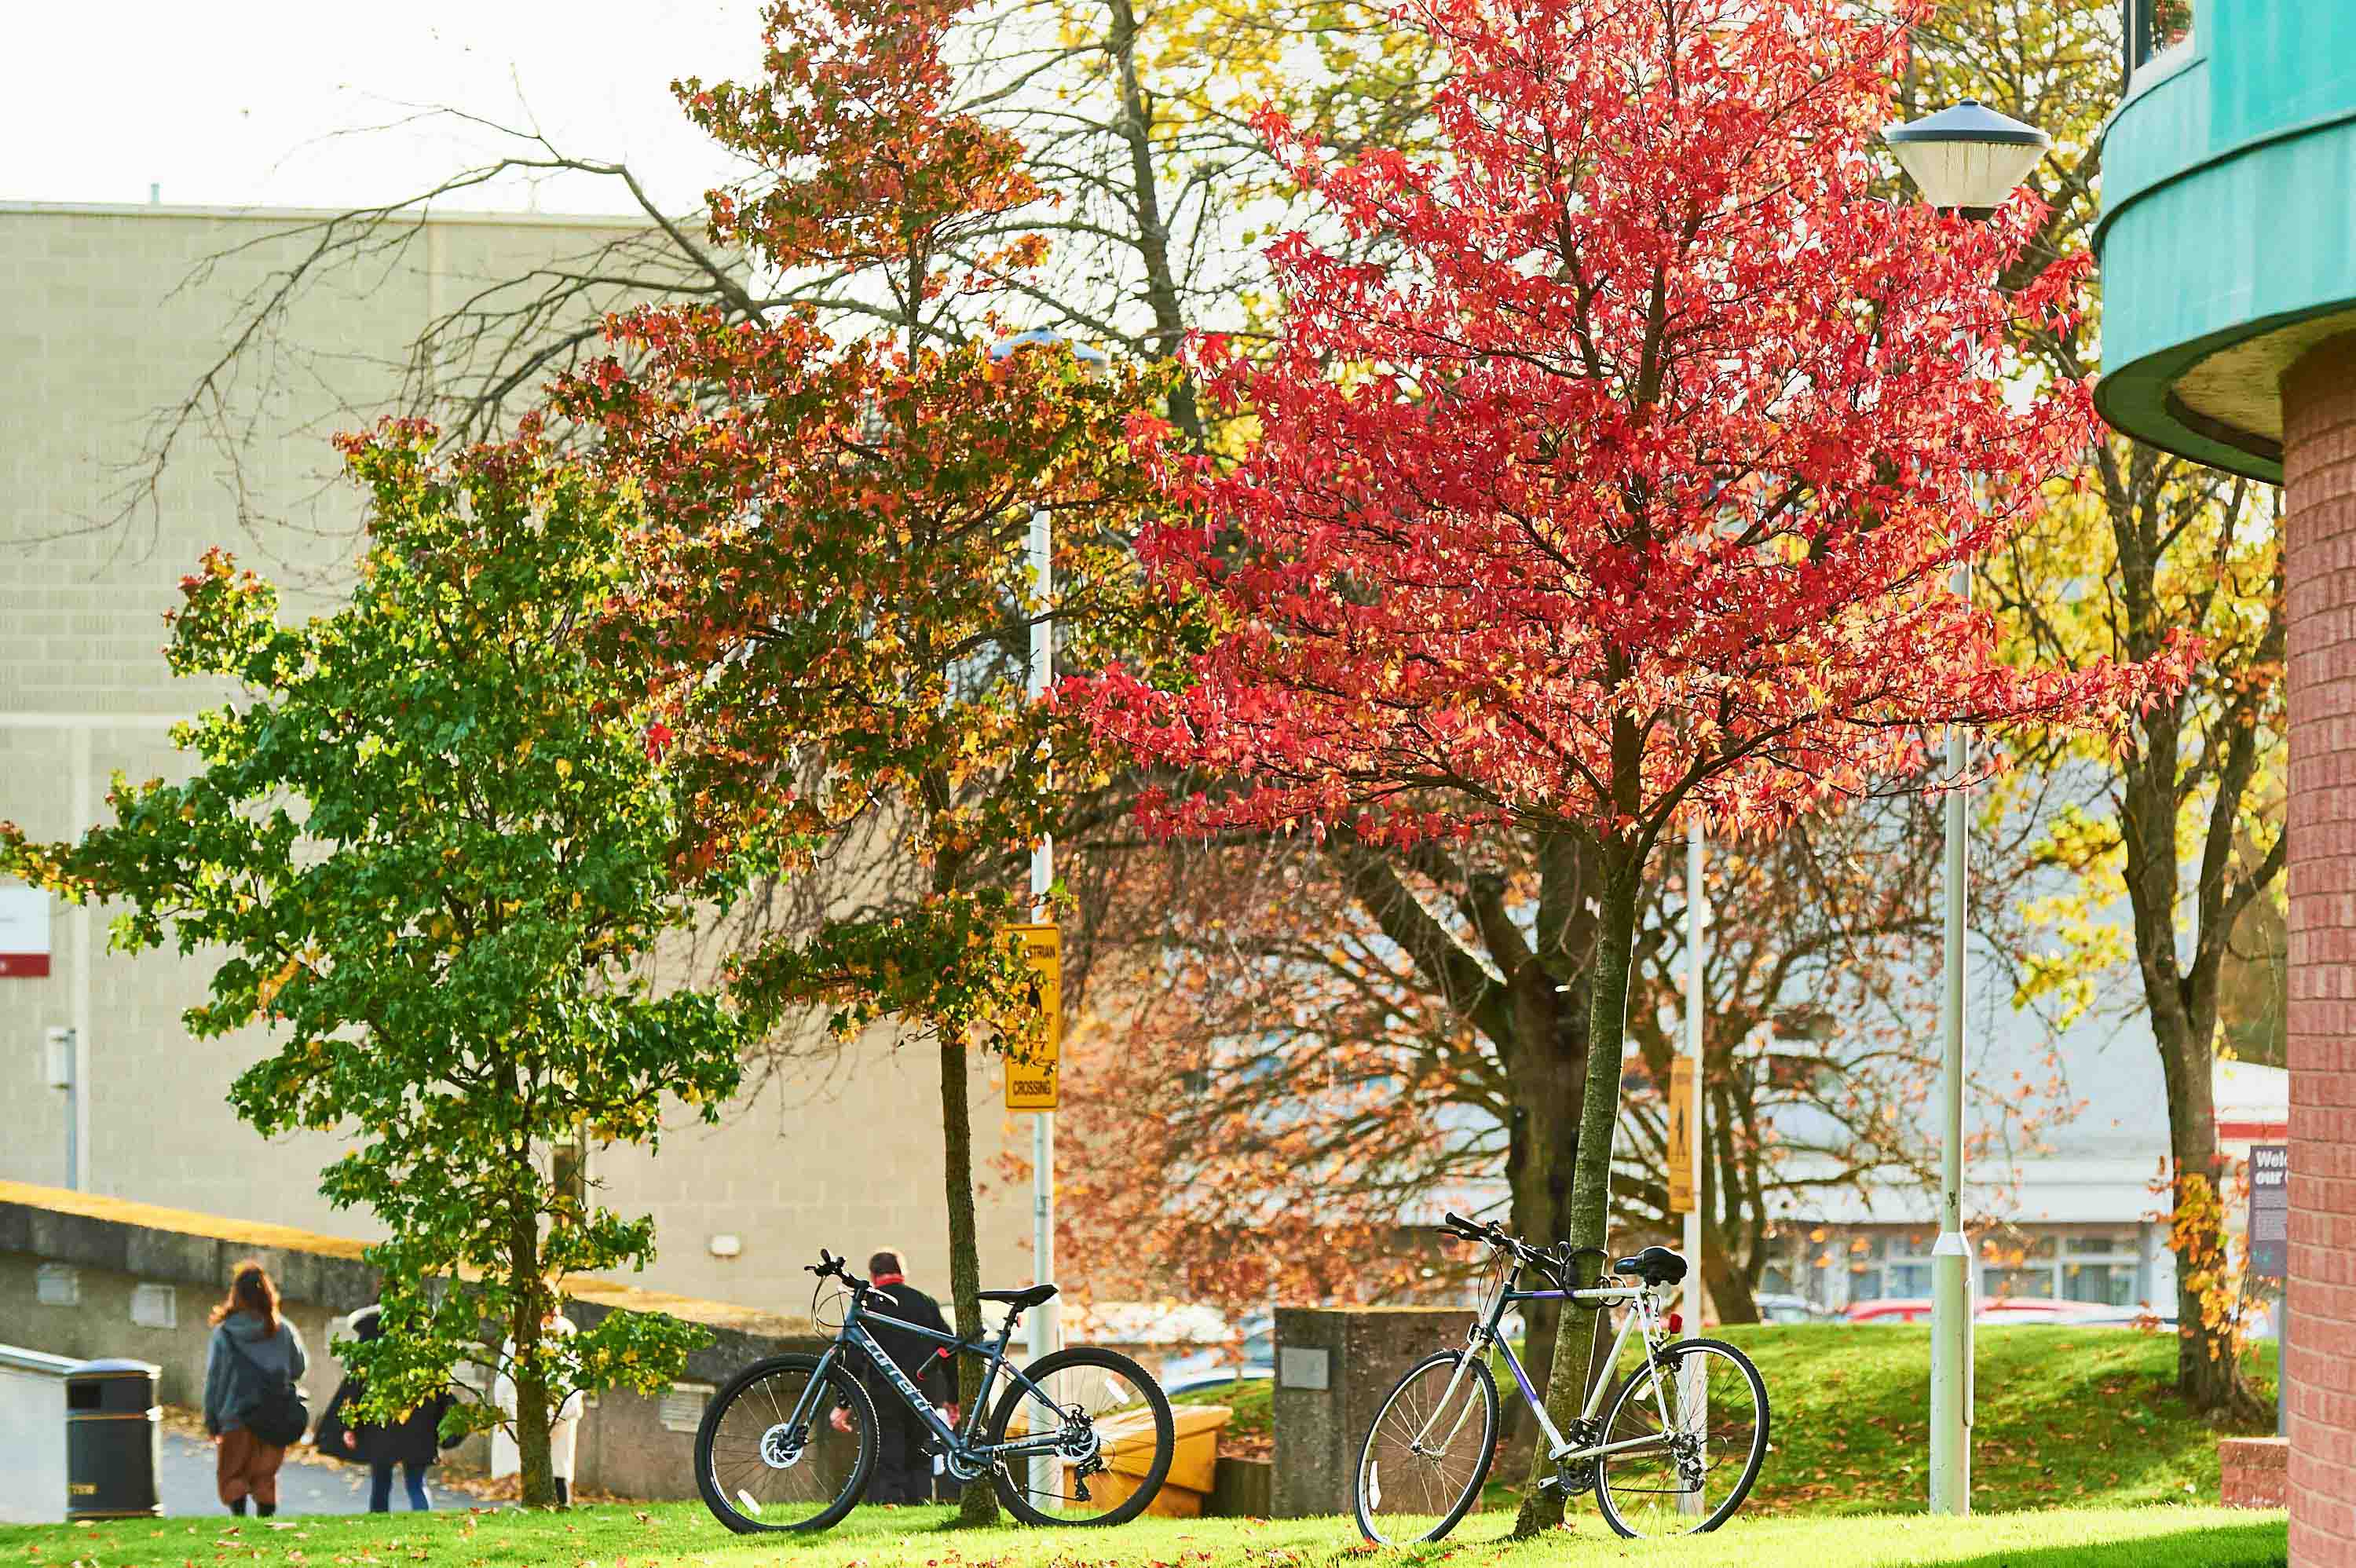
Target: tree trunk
[1152,232]
[2207,1371]
[1729,1284]
[1591,1193]
[1720,1193]
[1547,1063]
[2181,1007]
[534,1470]
[978,1504]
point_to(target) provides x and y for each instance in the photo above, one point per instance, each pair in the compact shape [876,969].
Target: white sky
[226,103]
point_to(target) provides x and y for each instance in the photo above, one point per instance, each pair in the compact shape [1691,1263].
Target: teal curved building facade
[2228,251]
[2228,239]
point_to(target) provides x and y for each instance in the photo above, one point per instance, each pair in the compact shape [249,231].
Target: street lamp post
[1694,1393]
[1041,674]
[1966,159]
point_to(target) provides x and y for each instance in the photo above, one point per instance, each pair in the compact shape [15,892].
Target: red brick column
[2252,1472]
[2319,1375]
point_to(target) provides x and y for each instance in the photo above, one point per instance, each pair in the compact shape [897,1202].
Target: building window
[2154,27]
[155,1306]
[1890,1266]
[2102,1266]
[57,1285]
[568,1172]
[682,1405]
[2021,1267]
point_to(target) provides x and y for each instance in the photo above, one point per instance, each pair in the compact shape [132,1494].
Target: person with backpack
[412,1444]
[254,1405]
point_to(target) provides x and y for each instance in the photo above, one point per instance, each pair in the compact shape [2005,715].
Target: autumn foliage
[832,594]
[1632,487]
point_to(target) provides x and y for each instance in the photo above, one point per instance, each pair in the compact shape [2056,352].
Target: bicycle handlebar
[831,1267]
[1494,1233]
[1554,1259]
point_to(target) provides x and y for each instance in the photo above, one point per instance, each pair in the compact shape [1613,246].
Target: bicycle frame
[855,1335]
[1646,1316]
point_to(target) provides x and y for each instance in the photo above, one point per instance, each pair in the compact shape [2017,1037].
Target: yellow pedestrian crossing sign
[1680,1136]
[1031,1080]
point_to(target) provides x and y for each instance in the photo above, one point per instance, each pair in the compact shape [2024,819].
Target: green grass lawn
[2078,1436]
[2063,1417]
[679,1535]
[1253,1419]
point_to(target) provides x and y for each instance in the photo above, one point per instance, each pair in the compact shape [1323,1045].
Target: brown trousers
[248,1468]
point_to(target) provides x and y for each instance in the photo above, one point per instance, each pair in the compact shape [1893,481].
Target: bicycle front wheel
[1688,1472]
[771,1454]
[1115,1440]
[1427,1452]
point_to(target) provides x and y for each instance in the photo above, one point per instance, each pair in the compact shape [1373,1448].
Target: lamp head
[1092,361]
[1968,158]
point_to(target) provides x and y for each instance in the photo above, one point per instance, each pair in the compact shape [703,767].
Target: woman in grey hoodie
[251,1344]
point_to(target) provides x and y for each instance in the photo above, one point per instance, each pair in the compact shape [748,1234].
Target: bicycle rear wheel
[1117,1438]
[1694,1471]
[760,1468]
[1428,1451]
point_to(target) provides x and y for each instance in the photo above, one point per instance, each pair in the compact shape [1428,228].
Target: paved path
[304,1486]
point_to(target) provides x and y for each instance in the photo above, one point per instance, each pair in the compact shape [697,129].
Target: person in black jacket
[412,1443]
[904,1471]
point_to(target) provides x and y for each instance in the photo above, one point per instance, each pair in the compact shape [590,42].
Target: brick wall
[2252,1471]
[2319,1374]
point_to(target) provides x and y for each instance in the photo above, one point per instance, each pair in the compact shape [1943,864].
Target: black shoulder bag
[279,1417]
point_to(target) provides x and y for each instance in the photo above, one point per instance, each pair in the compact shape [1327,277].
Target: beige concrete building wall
[100,326]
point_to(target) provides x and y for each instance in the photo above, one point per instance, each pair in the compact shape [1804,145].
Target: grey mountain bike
[1670,1449]
[1080,1437]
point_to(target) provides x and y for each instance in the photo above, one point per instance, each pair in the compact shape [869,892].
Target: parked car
[1216,1378]
[1890,1309]
[1996,1311]
[1775,1306]
[1256,1347]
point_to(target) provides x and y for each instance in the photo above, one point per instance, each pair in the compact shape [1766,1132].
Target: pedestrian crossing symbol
[1031,1078]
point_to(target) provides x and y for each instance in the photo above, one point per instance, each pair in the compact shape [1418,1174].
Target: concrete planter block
[1333,1366]
[1241,1488]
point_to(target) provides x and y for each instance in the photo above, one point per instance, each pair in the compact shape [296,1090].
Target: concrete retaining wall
[84,1277]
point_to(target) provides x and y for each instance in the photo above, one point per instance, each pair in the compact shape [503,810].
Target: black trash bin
[114,1440]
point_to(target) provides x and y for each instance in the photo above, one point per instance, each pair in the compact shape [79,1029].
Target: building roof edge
[313,214]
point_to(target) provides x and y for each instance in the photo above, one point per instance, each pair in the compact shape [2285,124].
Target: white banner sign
[24,930]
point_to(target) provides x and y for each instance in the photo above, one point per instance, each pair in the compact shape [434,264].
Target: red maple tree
[1632,488]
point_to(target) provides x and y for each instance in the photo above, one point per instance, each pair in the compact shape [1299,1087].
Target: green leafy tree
[432,845]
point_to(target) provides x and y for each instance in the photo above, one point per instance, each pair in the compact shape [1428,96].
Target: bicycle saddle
[1654,1266]
[1031,1295]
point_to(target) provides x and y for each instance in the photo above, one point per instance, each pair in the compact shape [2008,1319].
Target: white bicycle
[1671,1449]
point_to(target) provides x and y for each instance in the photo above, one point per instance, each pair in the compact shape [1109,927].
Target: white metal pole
[1690,1397]
[85,1016]
[1951,1259]
[1045,1470]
